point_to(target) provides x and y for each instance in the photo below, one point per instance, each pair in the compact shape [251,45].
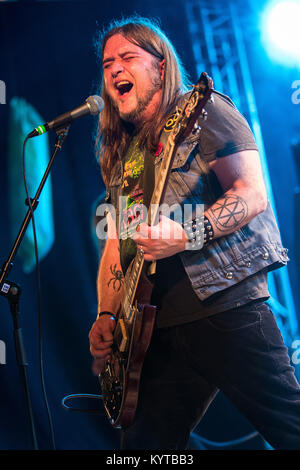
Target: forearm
[235,209]
[110,278]
[244,196]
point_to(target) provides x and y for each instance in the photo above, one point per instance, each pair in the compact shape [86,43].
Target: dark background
[47,57]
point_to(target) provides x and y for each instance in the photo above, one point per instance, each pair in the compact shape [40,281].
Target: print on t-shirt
[131,207]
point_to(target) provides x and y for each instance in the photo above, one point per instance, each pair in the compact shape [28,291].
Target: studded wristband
[208,234]
[199,232]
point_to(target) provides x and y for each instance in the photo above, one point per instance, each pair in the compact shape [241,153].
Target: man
[213,329]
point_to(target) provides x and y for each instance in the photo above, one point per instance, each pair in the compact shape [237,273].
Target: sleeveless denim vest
[227,260]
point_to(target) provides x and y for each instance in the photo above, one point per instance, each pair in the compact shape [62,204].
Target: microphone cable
[38,284]
[196,437]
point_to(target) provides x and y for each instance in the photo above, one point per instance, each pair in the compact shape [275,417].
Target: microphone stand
[12,291]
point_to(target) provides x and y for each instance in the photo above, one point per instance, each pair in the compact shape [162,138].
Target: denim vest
[229,259]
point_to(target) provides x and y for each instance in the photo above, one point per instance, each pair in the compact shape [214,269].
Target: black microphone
[92,105]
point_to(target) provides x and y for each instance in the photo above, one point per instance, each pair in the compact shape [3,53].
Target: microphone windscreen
[96,104]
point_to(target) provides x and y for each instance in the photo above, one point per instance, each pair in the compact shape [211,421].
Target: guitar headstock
[193,108]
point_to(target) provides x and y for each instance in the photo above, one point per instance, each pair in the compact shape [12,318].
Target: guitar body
[120,379]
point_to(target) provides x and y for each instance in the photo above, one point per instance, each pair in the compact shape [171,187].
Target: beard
[142,104]
[134,116]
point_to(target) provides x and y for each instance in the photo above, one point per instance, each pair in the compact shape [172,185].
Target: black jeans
[240,352]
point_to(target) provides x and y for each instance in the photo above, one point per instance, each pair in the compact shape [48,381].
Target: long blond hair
[112,134]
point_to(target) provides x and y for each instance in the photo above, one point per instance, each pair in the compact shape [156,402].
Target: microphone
[93,105]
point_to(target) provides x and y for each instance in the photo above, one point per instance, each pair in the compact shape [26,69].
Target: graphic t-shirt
[131,208]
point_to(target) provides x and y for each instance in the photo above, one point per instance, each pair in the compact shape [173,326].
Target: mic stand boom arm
[12,291]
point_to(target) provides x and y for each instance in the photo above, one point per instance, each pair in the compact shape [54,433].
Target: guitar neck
[131,282]
[161,182]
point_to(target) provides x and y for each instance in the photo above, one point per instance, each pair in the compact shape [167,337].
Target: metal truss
[217,35]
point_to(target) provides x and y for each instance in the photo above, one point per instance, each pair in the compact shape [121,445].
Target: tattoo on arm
[229,212]
[117,280]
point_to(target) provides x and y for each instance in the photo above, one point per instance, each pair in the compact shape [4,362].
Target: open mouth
[123,87]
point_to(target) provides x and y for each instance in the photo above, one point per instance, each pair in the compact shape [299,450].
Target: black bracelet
[199,232]
[112,316]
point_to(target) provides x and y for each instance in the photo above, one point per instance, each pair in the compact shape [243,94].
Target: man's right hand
[101,339]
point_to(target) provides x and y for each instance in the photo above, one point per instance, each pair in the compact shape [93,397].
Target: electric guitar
[120,378]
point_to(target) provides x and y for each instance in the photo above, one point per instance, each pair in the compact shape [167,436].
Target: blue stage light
[281,31]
